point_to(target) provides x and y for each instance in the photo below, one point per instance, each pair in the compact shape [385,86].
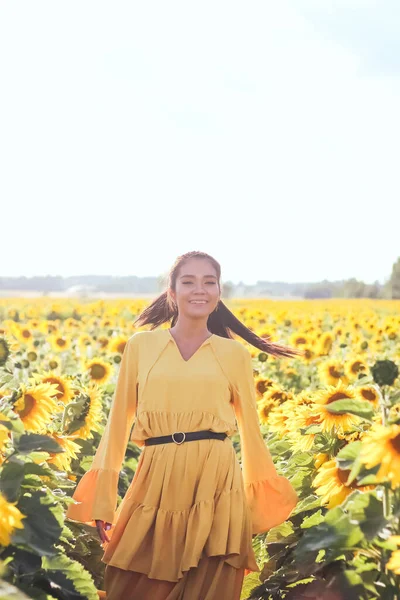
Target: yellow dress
[192,500]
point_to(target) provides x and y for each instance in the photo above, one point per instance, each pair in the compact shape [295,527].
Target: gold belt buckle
[184,437]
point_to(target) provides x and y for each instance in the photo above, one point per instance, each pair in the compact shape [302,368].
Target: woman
[184,529]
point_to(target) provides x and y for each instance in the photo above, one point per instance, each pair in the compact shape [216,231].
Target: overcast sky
[265,133]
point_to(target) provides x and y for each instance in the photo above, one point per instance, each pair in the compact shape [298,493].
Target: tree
[395,280]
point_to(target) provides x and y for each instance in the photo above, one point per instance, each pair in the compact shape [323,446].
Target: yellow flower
[354,367]
[59,343]
[381,445]
[94,414]
[277,395]
[62,460]
[325,343]
[320,459]
[36,405]
[64,391]
[99,370]
[329,421]
[262,384]
[368,393]
[394,561]
[10,519]
[331,372]
[117,344]
[264,408]
[330,484]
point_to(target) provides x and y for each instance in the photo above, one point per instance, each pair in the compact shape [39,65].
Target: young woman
[184,529]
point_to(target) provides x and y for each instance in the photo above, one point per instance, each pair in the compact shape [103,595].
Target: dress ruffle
[164,544]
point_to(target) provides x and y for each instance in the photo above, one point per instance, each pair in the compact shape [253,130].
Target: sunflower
[308,354]
[277,394]
[368,393]
[325,343]
[299,339]
[117,344]
[355,367]
[64,392]
[59,343]
[331,484]
[262,384]
[394,561]
[103,342]
[331,372]
[331,422]
[10,519]
[264,408]
[23,334]
[93,413]
[98,370]
[36,405]
[62,460]
[302,418]
[381,446]
[279,418]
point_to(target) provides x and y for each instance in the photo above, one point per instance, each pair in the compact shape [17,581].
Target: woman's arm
[270,496]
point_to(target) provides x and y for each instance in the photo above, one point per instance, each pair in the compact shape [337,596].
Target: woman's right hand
[101,527]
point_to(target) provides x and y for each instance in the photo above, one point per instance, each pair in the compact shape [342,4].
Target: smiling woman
[184,528]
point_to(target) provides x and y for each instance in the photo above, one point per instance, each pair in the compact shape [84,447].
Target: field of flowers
[330,418]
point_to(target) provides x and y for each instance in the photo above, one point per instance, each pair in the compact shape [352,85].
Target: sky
[265,133]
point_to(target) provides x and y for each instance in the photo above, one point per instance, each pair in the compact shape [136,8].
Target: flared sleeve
[271,497]
[96,492]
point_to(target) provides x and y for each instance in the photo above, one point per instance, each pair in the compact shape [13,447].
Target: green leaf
[70,576]
[348,455]
[309,503]
[41,528]
[314,519]
[251,581]
[33,441]
[278,533]
[13,475]
[366,511]
[360,408]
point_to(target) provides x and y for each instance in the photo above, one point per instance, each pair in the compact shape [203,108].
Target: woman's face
[197,290]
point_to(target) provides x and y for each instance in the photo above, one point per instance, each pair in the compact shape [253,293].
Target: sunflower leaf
[360,408]
[33,441]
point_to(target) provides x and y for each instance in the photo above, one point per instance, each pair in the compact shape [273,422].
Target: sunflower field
[331,419]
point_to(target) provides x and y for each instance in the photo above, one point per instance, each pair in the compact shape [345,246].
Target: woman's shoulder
[231,346]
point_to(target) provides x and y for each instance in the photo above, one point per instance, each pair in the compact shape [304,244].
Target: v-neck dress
[185,501]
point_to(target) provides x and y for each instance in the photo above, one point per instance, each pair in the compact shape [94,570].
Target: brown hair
[220,322]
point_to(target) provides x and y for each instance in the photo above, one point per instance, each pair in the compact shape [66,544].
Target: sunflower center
[26,333]
[301,340]
[337,396]
[29,403]
[368,395]
[61,342]
[261,386]
[357,366]
[334,372]
[121,347]
[57,383]
[343,475]
[395,442]
[97,371]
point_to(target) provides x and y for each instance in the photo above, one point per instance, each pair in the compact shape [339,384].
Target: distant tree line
[350,288]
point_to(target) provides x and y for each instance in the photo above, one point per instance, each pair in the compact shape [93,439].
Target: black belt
[179,437]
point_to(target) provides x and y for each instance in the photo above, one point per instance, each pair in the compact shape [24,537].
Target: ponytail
[221,322]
